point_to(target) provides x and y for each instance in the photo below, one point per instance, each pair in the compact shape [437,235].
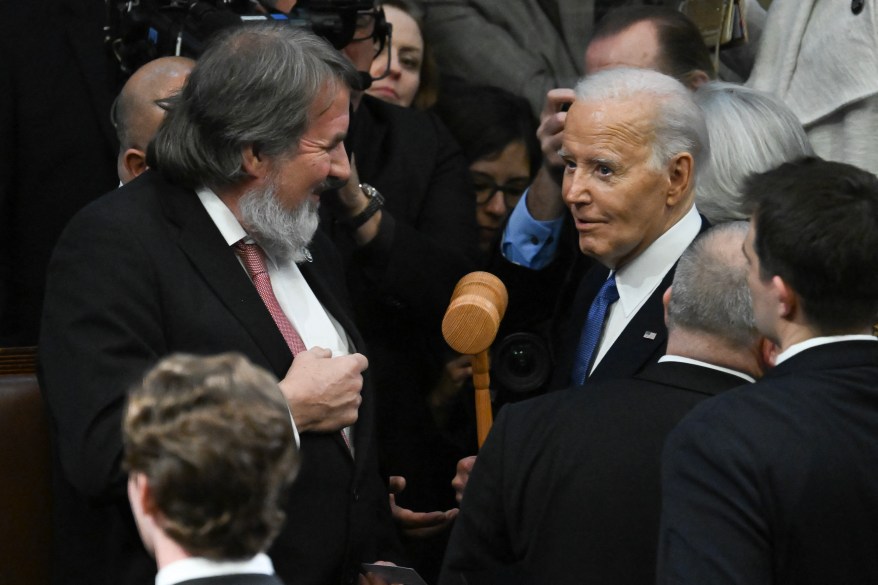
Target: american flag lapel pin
[649,334]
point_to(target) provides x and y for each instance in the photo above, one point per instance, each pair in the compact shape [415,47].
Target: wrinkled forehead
[629,120]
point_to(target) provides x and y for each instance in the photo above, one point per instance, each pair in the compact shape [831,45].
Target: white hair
[750,132]
[283,234]
[679,123]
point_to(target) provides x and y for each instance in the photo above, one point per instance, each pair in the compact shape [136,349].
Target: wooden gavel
[470,325]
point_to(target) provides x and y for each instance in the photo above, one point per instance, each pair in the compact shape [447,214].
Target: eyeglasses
[486,189]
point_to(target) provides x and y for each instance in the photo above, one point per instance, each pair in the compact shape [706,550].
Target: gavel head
[477,306]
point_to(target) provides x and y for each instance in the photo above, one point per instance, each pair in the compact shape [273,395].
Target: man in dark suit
[210,251]
[777,482]
[540,264]
[194,420]
[631,145]
[566,488]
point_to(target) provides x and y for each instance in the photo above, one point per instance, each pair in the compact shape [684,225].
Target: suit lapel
[215,261]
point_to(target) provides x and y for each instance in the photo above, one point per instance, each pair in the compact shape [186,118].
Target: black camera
[143,30]
[520,366]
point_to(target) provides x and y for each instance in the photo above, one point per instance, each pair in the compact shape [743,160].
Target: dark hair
[428,89]
[816,227]
[485,120]
[682,47]
[214,438]
[254,86]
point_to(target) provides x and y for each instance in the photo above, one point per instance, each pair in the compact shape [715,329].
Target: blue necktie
[591,330]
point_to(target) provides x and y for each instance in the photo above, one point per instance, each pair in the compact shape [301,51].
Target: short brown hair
[214,438]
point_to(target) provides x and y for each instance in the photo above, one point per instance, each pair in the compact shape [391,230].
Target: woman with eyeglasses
[497,133]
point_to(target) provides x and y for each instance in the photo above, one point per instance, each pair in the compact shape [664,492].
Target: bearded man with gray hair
[215,249]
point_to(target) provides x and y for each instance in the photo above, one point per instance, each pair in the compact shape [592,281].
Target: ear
[680,175]
[133,164]
[768,351]
[254,163]
[787,300]
[140,494]
[695,79]
[666,300]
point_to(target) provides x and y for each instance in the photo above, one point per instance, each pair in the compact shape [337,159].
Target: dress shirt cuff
[529,242]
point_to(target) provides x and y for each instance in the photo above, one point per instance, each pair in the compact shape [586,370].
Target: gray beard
[284,235]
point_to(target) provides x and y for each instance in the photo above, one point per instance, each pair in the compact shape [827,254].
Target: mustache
[331,183]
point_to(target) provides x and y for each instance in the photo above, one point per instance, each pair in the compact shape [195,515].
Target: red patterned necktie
[254,261]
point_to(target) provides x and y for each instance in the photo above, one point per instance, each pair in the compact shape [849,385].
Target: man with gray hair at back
[566,487]
[213,249]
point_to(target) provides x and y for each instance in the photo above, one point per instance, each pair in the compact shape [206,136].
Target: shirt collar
[199,568]
[815,341]
[685,360]
[222,216]
[639,278]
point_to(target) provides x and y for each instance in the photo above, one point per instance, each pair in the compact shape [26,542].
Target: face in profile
[617,197]
[406,58]
[499,183]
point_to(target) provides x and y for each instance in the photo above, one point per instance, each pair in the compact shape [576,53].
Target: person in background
[209,451]
[497,134]
[137,111]
[750,132]
[776,483]
[408,77]
[566,489]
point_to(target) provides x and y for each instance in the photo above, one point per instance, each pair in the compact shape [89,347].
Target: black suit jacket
[778,482]
[57,147]
[566,487]
[143,273]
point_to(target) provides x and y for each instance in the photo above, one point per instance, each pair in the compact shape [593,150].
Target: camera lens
[521,363]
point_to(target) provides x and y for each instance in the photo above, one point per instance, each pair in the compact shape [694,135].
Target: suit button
[356,496]
[857,6]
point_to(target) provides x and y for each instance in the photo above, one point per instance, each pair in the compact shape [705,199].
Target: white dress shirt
[199,568]
[638,279]
[685,360]
[815,341]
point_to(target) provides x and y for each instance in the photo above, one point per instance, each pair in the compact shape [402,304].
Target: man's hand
[464,468]
[353,202]
[324,391]
[544,197]
[417,524]
[550,131]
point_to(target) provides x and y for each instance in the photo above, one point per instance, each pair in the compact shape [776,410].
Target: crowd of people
[236,263]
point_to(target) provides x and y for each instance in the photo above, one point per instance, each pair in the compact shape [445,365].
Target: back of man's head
[137,111]
[253,87]
[709,293]
[678,124]
[681,49]
[214,440]
[816,227]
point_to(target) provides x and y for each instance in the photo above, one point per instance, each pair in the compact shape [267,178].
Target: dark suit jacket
[142,273]
[778,482]
[566,488]
[57,147]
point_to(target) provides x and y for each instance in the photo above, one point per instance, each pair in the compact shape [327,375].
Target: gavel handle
[482,383]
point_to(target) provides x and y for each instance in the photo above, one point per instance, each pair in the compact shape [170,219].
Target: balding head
[136,113]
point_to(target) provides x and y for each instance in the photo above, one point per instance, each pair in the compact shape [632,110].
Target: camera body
[143,30]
